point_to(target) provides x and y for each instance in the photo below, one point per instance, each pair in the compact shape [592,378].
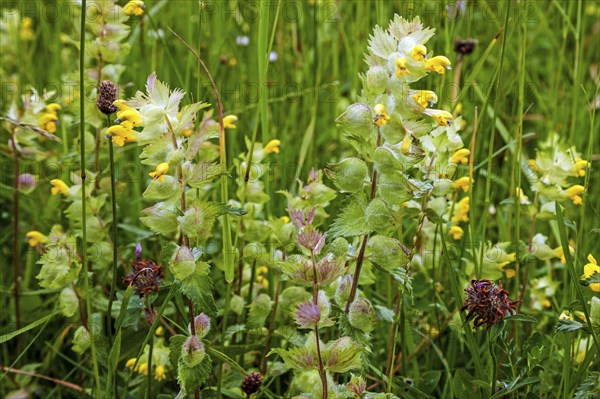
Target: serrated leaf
[388,252]
[191,378]
[160,218]
[198,286]
[342,355]
[569,325]
[352,220]
[158,191]
[199,219]
[260,309]
[200,174]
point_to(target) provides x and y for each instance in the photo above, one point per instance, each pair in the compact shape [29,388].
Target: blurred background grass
[316,57]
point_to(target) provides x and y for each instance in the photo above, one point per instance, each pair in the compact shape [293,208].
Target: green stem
[113,200]
[86,279]
[494,363]
[322,372]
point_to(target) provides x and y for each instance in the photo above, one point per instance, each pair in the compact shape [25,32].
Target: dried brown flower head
[107,95]
[487,303]
[145,276]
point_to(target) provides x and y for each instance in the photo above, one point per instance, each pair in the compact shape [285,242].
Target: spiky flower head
[145,276]
[107,95]
[465,47]
[487,303]
[311,239]
[252,382]
[302,218]
[308,314]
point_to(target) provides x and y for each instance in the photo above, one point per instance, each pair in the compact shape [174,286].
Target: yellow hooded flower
[134,7]
[381,115]
[461,211]
[438,64]
[456,232]
[59,187]
[561,254]
[160,373]
[229,121]
[580,167]
[142,368]
[463,183]
[130,118]
[425,98]
[35,237]
[26,31]
[159,173]
[590,269]
[401,67]
[272,146]
[460,156]
[130,363]
[521,197]
[443,118]
[419,52]
[406,144]
[121,134]
[574,193]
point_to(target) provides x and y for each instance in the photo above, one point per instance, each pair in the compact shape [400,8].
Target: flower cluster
[49,118]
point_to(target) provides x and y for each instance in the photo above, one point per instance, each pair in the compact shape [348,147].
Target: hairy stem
[86,279]
[363,246]
[15,242]
[322,372]
[113,200]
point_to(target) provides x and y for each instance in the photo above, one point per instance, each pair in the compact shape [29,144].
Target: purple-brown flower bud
[202,325]
[107,95]
[193,351]
[465,47]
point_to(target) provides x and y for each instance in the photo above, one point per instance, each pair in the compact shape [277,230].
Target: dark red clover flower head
[145,275]
[487,303]
[252,383]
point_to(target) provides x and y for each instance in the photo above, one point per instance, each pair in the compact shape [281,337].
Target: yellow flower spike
[272,146]
[381,115]
[456,232]
[574,193]
[130,363]
[159,173]
[463,183]
[159,373]
[443,118]
[580,167]
[59,187]
[401,67]
[143,368]
[419,52]
[134,7]
[589,270]
[460,156]
[35,237]
[406,144]
[425,98]
[438,64]
[229,121]
[130,115]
